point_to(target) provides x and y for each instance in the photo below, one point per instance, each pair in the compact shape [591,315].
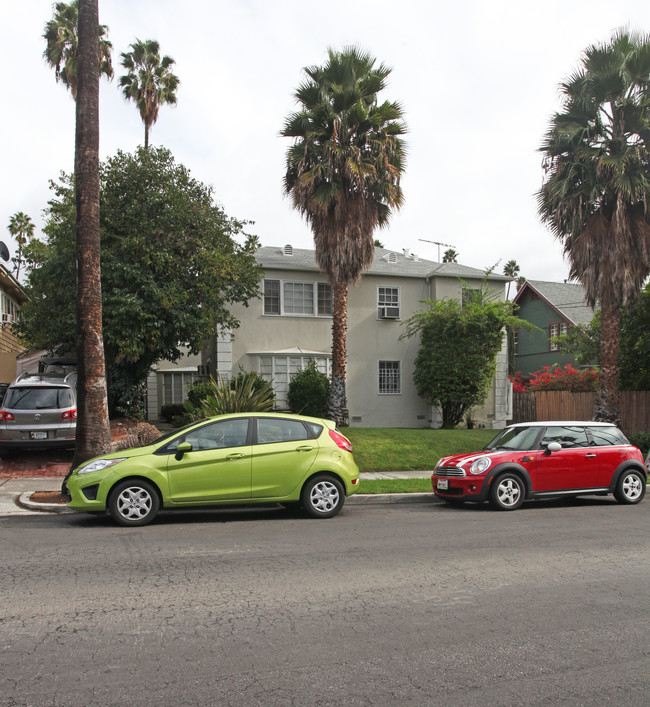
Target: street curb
[367,499]
[24,502]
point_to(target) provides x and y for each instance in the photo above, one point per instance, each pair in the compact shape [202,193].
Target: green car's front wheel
[133,503]
[322,497]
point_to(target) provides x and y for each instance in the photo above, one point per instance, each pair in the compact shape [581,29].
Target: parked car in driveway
[541,460]
[229,459]
[39,411]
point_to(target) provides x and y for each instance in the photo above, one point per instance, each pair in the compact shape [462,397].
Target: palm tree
[149,81]
[93,432]
[597,188]
[511,269]
[22,229]
[450,256]
[343,173]
[61,50]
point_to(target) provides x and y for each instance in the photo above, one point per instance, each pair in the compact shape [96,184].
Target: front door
[575,466]
[217,468]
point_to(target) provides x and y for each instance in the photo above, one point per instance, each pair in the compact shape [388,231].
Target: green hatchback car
[229,459]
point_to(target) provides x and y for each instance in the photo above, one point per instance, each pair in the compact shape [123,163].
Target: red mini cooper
[540,460]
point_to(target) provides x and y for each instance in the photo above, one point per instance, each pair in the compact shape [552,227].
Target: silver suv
[39,411]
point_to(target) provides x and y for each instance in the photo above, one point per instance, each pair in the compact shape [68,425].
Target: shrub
[244,393]
[641,440]
[308,391]
[171,410]
[564,378]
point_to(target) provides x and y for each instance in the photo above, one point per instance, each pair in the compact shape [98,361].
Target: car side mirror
[552,447]
[181,449]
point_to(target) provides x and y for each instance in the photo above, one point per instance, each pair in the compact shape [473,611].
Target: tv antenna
[438,243]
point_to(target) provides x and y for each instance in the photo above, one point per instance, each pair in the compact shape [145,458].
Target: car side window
[607,436]
[217,435]
[278,430]
[568,437]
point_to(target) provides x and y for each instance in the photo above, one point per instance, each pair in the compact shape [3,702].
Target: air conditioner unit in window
[7,319]
[389,312]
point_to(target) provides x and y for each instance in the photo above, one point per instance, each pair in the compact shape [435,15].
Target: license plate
[443,484]
[38,435]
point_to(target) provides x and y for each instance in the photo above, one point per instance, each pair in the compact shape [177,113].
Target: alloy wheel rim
[324,496]
[632,487]
[134,503]
[509,492]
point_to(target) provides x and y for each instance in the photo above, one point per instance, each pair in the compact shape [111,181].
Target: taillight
[5,415]
[69,415]
[340,440]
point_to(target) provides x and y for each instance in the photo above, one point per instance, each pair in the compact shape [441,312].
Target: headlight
[480,466]
[98,465]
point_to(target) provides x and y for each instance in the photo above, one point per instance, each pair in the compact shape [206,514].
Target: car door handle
[304,448]
[589,456]
[236,455]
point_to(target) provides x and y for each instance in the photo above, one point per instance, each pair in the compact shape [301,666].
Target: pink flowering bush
[562,378]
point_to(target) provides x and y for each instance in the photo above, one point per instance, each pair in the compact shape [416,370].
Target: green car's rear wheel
[322,497]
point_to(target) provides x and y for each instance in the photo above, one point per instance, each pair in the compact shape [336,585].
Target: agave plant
[241,394]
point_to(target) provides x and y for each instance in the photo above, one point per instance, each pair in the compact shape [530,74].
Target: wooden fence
[565,405]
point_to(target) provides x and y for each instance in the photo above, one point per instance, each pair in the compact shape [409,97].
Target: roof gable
[567,299]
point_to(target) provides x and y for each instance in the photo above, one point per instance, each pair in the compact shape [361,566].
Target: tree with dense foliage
[21,227]
[597,187]
[171,266]
[343,173]
[149,81]
[93,434]
[459,342]
[510,269]
[61,52]
[450,256]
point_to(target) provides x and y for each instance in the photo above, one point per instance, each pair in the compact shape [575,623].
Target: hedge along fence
[542,405]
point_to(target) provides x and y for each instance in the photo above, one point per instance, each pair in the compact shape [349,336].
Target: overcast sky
[478,82]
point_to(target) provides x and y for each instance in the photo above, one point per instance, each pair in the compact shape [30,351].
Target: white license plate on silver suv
[38,435]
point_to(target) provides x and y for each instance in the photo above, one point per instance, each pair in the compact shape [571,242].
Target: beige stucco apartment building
[291,324]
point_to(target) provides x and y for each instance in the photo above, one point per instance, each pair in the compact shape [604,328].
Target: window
[298,298]
[556,329]
[324,299]
[273,430]
[568,437]
[302,298]
[279,369]
[218,435]
[388,304]
[271,296]
[515,340]
[606,436]
[469,294]
[389,378]
[175,384]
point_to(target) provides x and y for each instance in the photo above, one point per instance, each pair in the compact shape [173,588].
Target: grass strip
[395,486]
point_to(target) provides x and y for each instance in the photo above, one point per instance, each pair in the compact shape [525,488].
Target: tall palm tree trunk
[337,404]
[608,399]
[93,431]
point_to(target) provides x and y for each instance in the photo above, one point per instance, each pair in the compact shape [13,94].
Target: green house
[552,307]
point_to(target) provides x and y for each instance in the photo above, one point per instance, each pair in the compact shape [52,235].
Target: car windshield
[41,398]
[515,438]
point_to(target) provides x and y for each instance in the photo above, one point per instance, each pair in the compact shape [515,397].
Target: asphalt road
[402,604]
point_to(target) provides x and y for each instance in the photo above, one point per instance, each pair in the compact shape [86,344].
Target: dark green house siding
[533,351]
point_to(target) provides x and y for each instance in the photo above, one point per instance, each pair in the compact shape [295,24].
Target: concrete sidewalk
[15,492]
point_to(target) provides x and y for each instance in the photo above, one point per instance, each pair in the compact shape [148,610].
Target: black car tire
[507,492]
[133,503]
[322,497]
[630,487]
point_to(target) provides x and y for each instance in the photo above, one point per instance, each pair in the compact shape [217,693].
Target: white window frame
[282,367]
[395,300]
[384,374]
[315,287]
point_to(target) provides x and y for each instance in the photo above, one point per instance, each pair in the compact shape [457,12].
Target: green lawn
[391,449]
